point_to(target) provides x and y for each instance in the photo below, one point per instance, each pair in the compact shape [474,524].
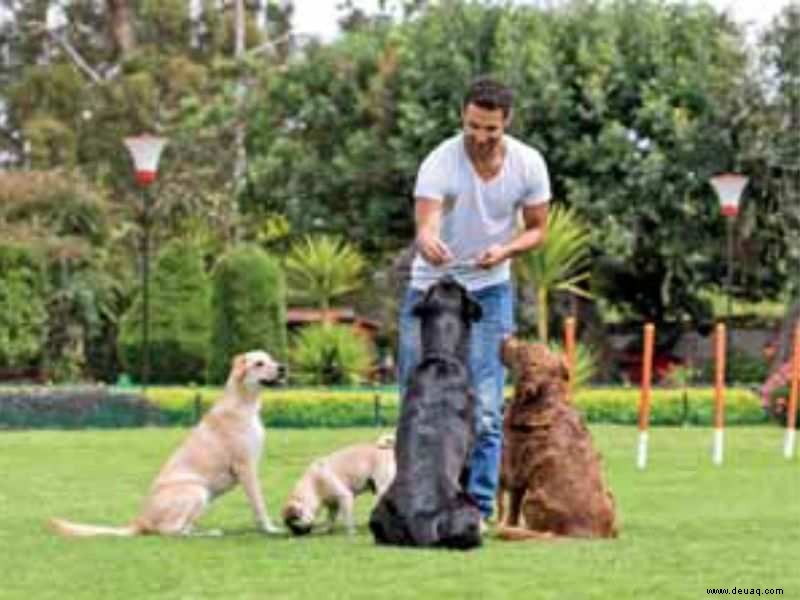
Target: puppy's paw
[272,529]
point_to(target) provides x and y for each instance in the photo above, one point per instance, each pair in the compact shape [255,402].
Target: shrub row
[57,408]
[316,407]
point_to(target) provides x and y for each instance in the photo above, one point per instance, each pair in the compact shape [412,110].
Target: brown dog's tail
[70,529]
[520,534]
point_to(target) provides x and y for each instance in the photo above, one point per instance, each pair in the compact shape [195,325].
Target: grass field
[686,526]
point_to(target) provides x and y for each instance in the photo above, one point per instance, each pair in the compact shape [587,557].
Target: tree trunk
[542,314]
[121,26]
[240,161]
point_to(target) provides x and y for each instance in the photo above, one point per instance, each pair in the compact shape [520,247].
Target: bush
[248,306]
[318,407]
[669,406]
[290,407]
[739,368]
[180,319]
[27,408]
[329,354]
[23,314]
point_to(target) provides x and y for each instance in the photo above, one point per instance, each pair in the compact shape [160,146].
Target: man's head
[485,114]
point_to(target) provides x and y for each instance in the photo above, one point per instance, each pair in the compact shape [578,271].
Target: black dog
[426,505]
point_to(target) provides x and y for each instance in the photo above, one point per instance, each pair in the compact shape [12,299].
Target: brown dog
[223,450]
[549,468]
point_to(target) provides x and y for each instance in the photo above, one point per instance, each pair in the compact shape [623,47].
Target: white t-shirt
[477,213]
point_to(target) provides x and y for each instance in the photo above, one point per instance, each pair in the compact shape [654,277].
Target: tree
[248,306]
[23,315]
[180,319]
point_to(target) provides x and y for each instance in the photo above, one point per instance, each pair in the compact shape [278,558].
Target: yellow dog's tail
[70,529]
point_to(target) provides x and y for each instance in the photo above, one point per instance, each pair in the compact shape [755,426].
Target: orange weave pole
[719,377]
[569,350]
[647,371]
[794,389]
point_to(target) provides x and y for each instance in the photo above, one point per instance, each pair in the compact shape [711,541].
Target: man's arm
[428,216]
[535,231]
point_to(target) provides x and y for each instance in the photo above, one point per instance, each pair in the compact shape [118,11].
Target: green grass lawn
[686,526]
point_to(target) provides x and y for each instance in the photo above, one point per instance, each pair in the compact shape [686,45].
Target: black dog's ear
[473,309]
[420,308]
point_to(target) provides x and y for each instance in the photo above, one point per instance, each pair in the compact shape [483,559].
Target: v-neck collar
[474,171]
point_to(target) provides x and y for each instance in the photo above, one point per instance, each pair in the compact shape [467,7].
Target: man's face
[483,130]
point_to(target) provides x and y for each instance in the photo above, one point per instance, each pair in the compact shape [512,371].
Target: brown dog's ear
[239,367]
[508,349]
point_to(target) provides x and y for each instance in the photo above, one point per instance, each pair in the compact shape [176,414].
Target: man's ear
[507,121]
[239,367]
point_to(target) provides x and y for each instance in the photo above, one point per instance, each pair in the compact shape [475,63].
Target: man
[468,193]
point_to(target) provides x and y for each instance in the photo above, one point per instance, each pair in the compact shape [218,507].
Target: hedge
[320,407]
[71,408]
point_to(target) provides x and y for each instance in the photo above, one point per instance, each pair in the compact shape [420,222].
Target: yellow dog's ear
[239,367]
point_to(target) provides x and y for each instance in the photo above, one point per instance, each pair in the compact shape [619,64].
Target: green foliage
[559,264]
[179,323]
[23,313]
[322,268]
[740,368]
[693,406]
[52,143]
[585,364]
[248,306]
[329,354]
[304,407]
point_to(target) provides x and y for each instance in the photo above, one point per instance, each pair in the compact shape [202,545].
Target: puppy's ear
[239,367]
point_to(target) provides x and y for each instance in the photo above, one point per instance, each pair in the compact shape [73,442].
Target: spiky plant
[322,268]
[559,264]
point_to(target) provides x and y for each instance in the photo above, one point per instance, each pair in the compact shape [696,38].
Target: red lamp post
[145,150]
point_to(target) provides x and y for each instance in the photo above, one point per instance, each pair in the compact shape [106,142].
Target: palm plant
[320,269]
[559,264]
[585,365]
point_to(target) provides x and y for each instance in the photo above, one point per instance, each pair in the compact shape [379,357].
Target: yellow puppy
[334,482]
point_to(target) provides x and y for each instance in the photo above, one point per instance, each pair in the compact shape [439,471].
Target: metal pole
[145,291]
[729,283]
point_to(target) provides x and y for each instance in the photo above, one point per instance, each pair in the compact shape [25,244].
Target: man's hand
[434,250]
[491,256]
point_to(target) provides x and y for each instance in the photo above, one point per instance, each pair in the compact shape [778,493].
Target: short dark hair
[490,94]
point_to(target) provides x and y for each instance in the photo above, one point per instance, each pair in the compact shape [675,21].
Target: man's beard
[483,151]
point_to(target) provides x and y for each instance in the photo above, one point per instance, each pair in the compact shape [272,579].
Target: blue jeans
[487,374]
